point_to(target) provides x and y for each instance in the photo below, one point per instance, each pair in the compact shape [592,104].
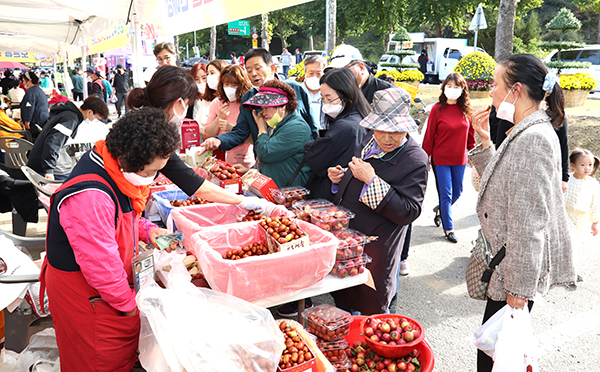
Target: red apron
[92,335]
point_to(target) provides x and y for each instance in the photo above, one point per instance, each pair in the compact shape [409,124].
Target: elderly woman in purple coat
[384,186]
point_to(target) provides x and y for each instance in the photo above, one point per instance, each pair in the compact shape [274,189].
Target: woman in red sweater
[448,137]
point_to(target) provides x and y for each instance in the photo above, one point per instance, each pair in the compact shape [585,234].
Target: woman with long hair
[172,89]
[199,111]
[213,72]
[344,106]
[448,137]
[224,112]
[521,204]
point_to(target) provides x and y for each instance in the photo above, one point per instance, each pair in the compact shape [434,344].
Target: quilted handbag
[481,266]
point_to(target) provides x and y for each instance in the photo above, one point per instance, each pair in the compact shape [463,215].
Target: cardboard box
[275,246]
[196,156]
[259,184]
[231,184]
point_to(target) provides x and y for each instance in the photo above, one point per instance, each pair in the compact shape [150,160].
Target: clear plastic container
[352,244]
[332,218]
[302,208]
[289,195]
[342,365]
[328,322]
[350,267]
[334,351]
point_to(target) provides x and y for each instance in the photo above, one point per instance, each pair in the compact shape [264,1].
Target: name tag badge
[143,269]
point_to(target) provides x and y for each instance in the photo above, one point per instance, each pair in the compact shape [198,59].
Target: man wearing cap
[384,185]
[121,85]
[96,86]
[347,56]
[260,68]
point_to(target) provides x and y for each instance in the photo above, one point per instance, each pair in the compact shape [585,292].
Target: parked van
[590,53]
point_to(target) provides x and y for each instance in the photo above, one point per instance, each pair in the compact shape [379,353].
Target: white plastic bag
[486,337]
[196,329]
[507,337]
[41,354]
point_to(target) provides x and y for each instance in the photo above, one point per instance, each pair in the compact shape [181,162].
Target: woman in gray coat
[520,204]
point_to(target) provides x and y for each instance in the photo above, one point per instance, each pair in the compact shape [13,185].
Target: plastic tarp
[278,275]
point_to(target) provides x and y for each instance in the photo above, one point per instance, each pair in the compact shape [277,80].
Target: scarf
[138,194]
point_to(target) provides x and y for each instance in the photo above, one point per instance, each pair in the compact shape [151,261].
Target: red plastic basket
[425,353]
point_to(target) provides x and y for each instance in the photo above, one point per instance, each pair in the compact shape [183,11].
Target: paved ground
[566,324]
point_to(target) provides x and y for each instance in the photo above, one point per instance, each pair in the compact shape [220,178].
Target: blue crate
[162,200]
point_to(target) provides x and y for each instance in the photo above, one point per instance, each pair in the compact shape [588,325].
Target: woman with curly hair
[282,133]
[224,112]
[94,225]
[448,137]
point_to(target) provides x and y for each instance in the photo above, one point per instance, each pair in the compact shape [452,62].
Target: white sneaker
[403,268]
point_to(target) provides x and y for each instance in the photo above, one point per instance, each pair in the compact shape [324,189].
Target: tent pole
[136,48]
[84,68]
[66,78]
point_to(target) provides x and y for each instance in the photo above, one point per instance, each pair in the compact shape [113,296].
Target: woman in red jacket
[448,137]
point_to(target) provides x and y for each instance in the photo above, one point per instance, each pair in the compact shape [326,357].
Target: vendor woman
[384,186]
[94,225]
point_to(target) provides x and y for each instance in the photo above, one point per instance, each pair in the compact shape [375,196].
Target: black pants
[121,98]
[484,362]
[78,96]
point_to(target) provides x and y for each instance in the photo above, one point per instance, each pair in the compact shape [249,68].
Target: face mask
[230,93]
[201,87]
[312,83]
[137,180]
[332,110]
[178,118]
[274,120]
[506,110]
[452,93]
[212,81]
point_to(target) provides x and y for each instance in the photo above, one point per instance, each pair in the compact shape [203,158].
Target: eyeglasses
[330,101]
[166,59]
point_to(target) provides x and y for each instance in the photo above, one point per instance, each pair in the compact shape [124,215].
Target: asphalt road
[566,323]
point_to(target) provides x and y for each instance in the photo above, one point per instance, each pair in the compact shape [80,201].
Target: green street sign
[239,28]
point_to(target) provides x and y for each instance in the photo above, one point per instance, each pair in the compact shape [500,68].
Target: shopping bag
[508,338]
[185,328]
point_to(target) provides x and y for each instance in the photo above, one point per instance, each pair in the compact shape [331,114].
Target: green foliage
[401,35]
[531,48]
[562,45]
[561,64]
[476,66]
[564,20]
[401,65]
[401,52]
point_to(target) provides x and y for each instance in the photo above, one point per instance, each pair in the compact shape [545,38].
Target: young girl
[582,199]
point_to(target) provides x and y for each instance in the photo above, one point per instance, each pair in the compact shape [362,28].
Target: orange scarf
[138,194]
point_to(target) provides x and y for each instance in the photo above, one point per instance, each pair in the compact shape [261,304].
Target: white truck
[443,54]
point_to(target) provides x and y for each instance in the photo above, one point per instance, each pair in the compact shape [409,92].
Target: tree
[590,6]
[505,28]
[283,20]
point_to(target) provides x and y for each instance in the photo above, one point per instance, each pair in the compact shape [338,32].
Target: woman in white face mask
[448,137]
[521,204]
[199,111]
[224,112]
[344,107]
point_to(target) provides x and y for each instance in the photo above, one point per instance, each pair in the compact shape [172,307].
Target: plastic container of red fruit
[328,322]
[163,199]
[397,329]
[423,349]
[352,244]
[332,218]
[342,365]
[289,195]
[302,208]
[351,267]
[334,351]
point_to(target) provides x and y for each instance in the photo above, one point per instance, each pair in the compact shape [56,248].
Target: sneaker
[291,308]
[403,268]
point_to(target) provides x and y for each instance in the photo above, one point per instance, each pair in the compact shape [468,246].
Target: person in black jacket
[34,105]
[499,130]
[121,85]
[49,156]
[344,107]
[96,86]
[5,83]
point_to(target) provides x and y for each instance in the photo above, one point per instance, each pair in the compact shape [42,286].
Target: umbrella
[6,64]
